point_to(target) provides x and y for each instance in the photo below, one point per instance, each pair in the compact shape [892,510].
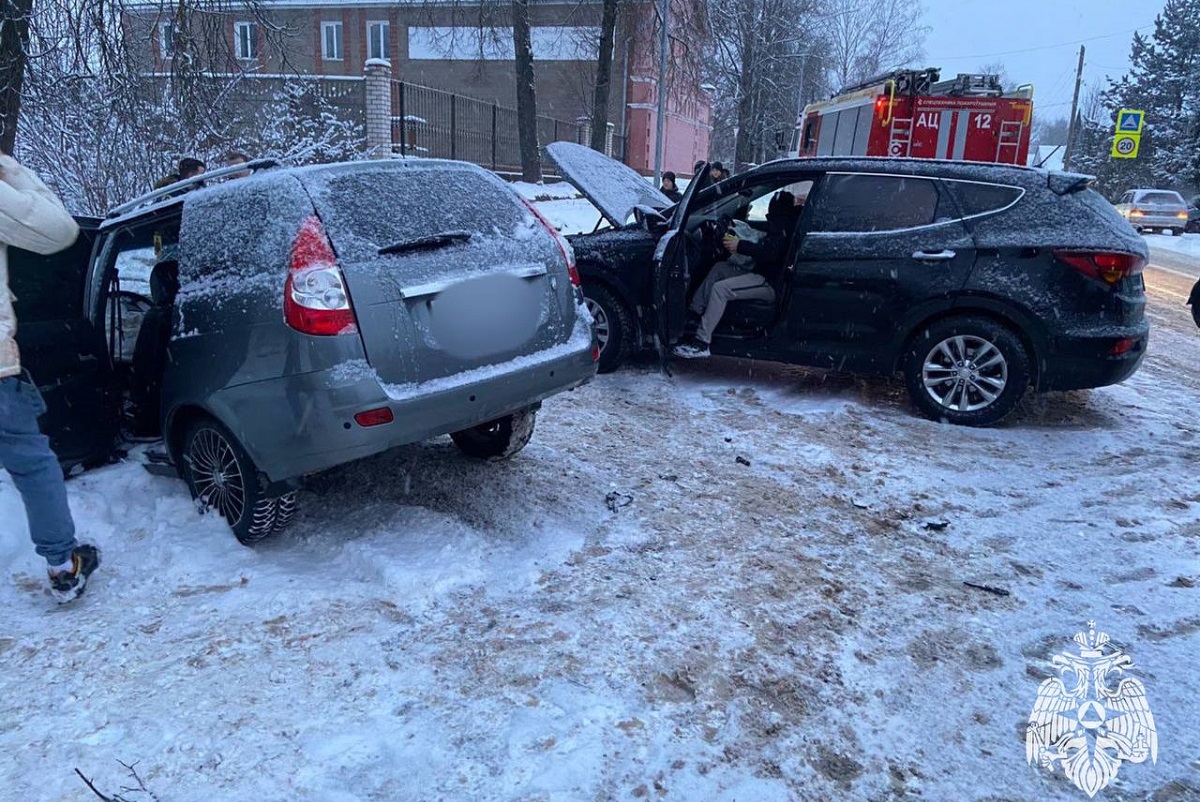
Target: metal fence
[437,124]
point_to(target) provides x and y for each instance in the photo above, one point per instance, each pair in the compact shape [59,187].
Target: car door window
[867,203]
[131,256]
[758,207]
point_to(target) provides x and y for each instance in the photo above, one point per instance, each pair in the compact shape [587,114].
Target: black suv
[975,281]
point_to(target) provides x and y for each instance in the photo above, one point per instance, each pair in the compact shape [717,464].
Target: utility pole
[1071,126]
[664,45]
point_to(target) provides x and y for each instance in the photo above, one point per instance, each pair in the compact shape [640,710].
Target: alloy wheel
[217,476]
[603,329]
[965,373]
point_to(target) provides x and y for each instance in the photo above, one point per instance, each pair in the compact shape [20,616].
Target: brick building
[465,49]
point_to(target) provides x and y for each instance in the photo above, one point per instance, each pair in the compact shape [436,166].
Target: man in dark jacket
[729,283]
[669,189]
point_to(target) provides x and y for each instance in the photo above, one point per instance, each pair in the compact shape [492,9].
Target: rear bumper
[1080,362]
[1158,221]
[316,429]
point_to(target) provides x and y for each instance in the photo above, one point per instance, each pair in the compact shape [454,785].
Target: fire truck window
[862,132]
[983,198]
[828,132]
[864,203]
[843,140]
[810,130]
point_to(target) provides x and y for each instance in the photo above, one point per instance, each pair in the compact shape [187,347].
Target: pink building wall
[688,123]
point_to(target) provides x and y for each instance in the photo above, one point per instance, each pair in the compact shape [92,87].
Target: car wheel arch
[182,415]
[599,278]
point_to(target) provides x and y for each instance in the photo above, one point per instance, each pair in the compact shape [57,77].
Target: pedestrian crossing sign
[1129,121]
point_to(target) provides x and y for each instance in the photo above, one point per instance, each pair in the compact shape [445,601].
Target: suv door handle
[940,256]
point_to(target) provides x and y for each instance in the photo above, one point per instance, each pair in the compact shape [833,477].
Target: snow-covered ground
[1187,244]
[742,582]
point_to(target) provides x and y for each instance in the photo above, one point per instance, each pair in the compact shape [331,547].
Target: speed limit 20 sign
[1125,146]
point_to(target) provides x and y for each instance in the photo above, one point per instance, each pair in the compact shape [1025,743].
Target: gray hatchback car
[281,324]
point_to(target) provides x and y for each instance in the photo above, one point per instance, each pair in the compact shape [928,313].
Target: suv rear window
[1162,198]
[976,199]
[368,208]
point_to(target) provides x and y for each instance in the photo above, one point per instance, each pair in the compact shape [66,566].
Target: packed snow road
[742,582]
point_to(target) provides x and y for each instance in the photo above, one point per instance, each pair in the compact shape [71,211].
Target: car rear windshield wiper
[440,240]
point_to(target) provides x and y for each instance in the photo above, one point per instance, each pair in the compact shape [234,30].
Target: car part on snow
[614,327]
[221,476]
[498,439]
[970,371]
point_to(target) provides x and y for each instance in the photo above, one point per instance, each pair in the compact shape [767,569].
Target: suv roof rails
[158,195]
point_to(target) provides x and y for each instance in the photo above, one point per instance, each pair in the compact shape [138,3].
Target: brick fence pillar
[585,130]
[608,139]
[377,83]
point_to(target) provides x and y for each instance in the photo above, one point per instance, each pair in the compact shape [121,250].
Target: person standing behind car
[188,168]
[669,189]
[32,218]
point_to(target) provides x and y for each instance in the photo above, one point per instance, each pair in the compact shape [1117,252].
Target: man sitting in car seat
[728,282]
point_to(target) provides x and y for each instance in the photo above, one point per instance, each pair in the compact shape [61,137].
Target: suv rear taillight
[1103,266]
[315,300]
[564,246]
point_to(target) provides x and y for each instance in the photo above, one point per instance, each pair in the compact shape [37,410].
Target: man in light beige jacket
[32,218]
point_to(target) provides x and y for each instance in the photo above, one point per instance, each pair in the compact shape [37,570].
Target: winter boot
[69,585]
[692,349]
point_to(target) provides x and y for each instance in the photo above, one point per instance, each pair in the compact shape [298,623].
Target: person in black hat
[669,188]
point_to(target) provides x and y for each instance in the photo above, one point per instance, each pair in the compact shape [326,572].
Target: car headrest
[164,282]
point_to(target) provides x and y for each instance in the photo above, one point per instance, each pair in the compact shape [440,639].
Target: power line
[1045,47]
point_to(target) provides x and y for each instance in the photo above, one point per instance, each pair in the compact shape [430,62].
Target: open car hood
[611,187]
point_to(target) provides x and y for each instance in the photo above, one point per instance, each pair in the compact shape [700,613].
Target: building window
[331,41]
[245,35]
[378,34]
[166,39]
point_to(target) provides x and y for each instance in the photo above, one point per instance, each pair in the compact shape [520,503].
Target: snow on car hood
[612,187]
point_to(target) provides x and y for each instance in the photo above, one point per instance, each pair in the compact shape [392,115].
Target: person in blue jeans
[32,218]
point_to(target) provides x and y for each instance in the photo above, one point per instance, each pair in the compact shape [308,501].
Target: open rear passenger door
[63,350]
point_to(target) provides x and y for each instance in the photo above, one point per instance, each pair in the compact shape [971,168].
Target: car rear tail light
[1123,346]
[1103,266]
[596,352]
[374,417]
[315,300]
[564,246]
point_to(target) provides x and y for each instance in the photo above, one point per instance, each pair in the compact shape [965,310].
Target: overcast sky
[966,34]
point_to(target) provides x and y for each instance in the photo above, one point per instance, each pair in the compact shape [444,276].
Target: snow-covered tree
[1164,81]
[101,129]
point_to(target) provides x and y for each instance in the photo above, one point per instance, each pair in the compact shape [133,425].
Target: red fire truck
[913,113]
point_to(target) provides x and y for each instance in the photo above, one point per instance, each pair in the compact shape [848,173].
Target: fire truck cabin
[910,113]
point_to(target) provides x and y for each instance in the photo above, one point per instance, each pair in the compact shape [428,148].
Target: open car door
[672,269]
[63,350]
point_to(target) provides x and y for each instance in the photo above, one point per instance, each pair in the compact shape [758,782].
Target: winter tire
[498,439]
[970,371]
[222,477]
[614,327]
[1177,232]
